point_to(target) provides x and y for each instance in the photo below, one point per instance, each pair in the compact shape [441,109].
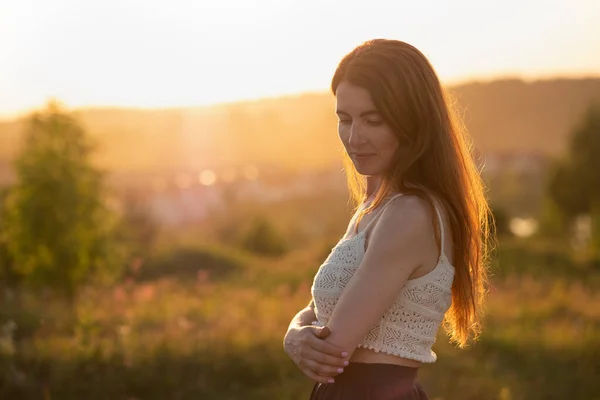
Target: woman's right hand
[316,358]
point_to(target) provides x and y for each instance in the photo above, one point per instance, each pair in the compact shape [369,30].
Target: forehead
[352,98]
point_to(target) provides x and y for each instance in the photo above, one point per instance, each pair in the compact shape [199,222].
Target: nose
[356,135]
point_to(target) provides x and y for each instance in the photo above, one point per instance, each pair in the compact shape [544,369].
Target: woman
[414,254]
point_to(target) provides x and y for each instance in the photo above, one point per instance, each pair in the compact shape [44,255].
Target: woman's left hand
[316,358]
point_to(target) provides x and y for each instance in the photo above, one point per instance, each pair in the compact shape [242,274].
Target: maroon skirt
[361,381]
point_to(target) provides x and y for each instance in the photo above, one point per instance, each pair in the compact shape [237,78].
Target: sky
[178,53]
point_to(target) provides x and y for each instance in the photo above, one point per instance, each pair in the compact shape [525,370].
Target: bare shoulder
[405,228]
[406,213]
[402,236]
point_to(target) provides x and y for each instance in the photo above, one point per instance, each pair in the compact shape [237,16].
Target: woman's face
[368,140]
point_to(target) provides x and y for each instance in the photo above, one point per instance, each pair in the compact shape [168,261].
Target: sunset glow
[189,53]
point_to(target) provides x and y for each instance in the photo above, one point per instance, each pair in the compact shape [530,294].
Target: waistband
[379,372]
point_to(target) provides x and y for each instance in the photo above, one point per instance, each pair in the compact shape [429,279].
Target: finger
[325,359]
[328,348]
[316,377]
[318,367]
[322,369]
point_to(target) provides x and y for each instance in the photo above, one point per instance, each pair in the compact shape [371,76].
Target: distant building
[177,199]
[521,162]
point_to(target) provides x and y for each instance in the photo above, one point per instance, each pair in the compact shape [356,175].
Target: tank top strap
[441,224]
[378,214]
[441,227]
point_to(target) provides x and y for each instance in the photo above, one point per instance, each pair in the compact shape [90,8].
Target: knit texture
[409,326]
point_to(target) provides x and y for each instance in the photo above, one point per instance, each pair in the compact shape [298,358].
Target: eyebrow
[362,114]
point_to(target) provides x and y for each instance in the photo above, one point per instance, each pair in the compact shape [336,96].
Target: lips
[361,156]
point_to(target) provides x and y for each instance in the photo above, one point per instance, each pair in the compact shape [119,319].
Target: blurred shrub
[262,238]
[191,263]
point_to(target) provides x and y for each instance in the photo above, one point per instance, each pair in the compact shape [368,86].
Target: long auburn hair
[412,101]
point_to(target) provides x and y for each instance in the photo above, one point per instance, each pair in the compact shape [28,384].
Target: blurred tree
[553,223]
[568,190]
[499,221]
[7,274]
[59,228]
[575,184]
[262,238]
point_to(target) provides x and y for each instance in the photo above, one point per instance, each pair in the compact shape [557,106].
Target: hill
[300,131]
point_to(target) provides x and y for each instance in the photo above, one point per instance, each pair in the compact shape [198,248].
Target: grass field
[208,322]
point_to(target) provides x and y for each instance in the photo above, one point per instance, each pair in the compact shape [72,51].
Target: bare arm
[396,249]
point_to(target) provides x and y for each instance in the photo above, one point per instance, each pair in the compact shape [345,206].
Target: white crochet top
[409,326]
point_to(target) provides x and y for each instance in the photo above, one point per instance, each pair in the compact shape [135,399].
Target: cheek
[394,144]
[387,141]
[344,134]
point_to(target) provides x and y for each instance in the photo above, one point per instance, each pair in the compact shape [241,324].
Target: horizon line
[11,116]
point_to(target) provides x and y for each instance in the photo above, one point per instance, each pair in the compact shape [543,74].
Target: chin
[366,171]
[369,168]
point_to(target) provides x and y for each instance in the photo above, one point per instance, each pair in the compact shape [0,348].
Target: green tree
[7,274]
[575,184]
[499,221]
[59,229]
